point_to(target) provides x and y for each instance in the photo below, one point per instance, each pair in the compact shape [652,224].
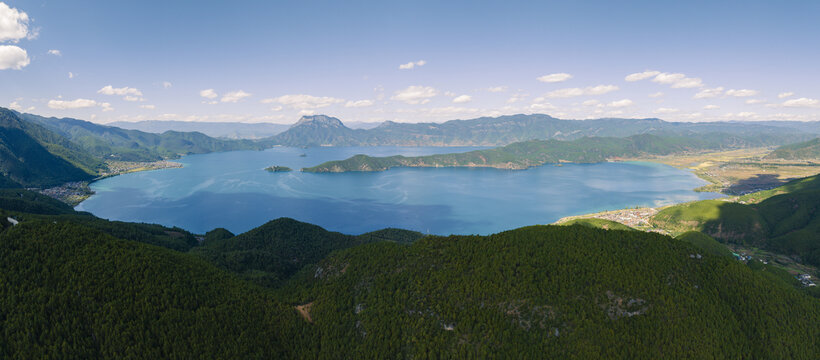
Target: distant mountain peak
[321,120]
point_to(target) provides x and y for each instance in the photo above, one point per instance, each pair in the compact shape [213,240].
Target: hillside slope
[809,150]
[110,142]
[276,250]
[554,292]
[30,162]
[72,292]
[785,220]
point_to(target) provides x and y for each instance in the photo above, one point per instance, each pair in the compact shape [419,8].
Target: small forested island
[277,168]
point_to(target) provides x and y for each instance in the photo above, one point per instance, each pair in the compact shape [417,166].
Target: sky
[410,61]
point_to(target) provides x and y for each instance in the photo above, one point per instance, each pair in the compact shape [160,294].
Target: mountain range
[322,130]
[76,150]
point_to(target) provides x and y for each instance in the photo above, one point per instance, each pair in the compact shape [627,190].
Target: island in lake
[277,168]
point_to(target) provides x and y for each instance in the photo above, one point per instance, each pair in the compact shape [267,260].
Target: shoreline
[75,192]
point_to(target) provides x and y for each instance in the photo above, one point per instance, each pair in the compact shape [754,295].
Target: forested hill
[784,220]
[41,152]
[275,251]
[555,292]
[114,143]
[75,287]
[809,150]
[324,130]
[537,152]
[33,156]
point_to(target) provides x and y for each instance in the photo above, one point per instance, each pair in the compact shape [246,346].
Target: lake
[232,190]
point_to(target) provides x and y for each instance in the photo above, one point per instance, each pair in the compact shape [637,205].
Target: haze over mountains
[228,130]
[78,148]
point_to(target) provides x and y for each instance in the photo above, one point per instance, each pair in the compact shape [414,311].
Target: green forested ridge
[76,287]
[110,142]
[785,220]
[42,152]
[30,206]
[809,150]
[72,292]
[274,251]
[526,154]
[33,161]
[705,243]
[598,224]
[554,292]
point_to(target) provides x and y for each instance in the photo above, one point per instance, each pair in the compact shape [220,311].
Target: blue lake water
[232,190]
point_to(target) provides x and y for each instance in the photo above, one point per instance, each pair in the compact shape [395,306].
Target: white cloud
[55,52]
[412,65]
[73,104]
[600,89]
[133,98]
[517,97]
[565,93]
[359,103]
[666,110]
[234,96]
[276,108]
[462,99]
[15,106]
[542,106]
[305,112]
[802,102]
[123,91]
[677,80]
[149,107]
[591,102]
[497,89]
[573,92]
[303,102]
[166,84]
[745,114]
[13,57]
[451,110]
[208,94]
[13,24]
[741,92]
[641,75]
[784,95]
[70,75]
[711,107]
[106,107]
[656,95]
[621,103]
[415,94]
[555,78]
[754,101]
[709,93]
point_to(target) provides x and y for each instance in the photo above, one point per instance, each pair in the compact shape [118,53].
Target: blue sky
[265,61]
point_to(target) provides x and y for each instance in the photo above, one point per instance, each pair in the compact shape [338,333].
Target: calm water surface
[232,190]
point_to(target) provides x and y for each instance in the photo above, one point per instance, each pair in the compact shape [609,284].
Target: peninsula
[526,154]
